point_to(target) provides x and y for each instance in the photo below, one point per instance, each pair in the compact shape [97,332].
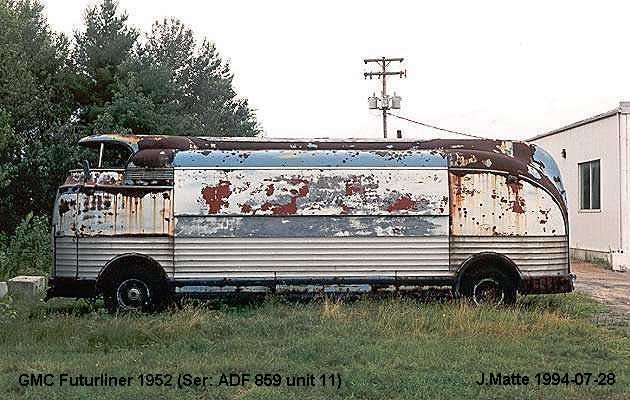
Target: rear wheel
[488,286]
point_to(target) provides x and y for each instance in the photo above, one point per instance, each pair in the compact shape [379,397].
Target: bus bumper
[70,287]
[547,284]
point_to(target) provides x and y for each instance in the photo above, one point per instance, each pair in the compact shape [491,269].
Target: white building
[594,159]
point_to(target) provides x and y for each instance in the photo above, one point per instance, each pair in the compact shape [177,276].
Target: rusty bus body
[486,217]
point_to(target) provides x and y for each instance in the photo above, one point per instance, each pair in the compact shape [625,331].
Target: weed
[394,347]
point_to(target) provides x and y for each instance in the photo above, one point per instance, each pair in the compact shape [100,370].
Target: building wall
[621,259]
[598,231]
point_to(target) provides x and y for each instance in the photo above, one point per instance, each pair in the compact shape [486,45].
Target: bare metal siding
[533,255]
[486,204]
[65,256]
[95,252]
[216,258]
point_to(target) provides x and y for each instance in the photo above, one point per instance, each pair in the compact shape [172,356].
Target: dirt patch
[610,287]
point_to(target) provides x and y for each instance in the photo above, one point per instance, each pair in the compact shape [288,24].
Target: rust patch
[403,203]
[174,142]
[71,180]
[270,189]
[353,187]
[289,208]
[215,196]
[456,192]
[153,158]
[518,203]
[107,180]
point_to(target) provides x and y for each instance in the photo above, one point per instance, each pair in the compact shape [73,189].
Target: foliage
[54,91]
[28,250]
[6,135]
[35,103]
[173,84]
[101,48]
[395,348]
[168,83]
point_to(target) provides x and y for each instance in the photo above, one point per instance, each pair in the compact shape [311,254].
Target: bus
[160,217]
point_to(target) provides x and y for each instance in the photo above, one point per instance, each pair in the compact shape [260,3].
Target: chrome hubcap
[488,291]
[132,294]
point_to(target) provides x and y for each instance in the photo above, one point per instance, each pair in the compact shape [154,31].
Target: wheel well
[484,260]
[136,262]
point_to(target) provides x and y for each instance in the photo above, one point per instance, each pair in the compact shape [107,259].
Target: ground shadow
[81,307]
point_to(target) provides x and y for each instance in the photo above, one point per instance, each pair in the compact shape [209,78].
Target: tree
[104,45]
[173,84]
[51,95]
[168,83]
[35,106]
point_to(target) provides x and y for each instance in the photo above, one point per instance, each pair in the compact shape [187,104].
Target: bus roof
[513,157]
[175,142]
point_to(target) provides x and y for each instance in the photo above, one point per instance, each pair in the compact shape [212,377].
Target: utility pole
[387,102]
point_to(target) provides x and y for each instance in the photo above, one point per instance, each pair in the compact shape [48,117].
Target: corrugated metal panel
[533,255]
[65,256]
[137,175]
[216,258]
[95,252]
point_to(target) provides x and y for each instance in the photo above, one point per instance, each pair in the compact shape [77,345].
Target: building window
[589,185]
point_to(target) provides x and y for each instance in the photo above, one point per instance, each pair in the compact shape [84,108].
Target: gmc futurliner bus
[165,216]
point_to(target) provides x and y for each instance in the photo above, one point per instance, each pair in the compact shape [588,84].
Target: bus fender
[498,259]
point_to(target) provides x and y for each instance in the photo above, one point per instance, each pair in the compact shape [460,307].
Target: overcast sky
[501,69]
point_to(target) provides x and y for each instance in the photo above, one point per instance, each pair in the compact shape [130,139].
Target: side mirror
[87,174]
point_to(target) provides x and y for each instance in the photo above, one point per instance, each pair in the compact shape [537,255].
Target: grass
[596,261]
[382,348]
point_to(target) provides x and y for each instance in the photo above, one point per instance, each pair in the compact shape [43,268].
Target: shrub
[28,251]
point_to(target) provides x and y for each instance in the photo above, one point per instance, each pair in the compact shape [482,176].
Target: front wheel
[133,293]
[489,287]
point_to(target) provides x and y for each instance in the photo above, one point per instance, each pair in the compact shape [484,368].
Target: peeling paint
[496,205]
[311,226]
[314,192]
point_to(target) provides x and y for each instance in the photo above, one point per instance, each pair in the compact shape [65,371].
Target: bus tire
[488,286]
[134,291]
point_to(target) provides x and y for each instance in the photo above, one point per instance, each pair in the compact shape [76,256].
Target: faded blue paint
[278,227]
[309,159]
[545,162]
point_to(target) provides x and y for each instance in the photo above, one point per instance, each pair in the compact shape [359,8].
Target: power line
[435,127]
